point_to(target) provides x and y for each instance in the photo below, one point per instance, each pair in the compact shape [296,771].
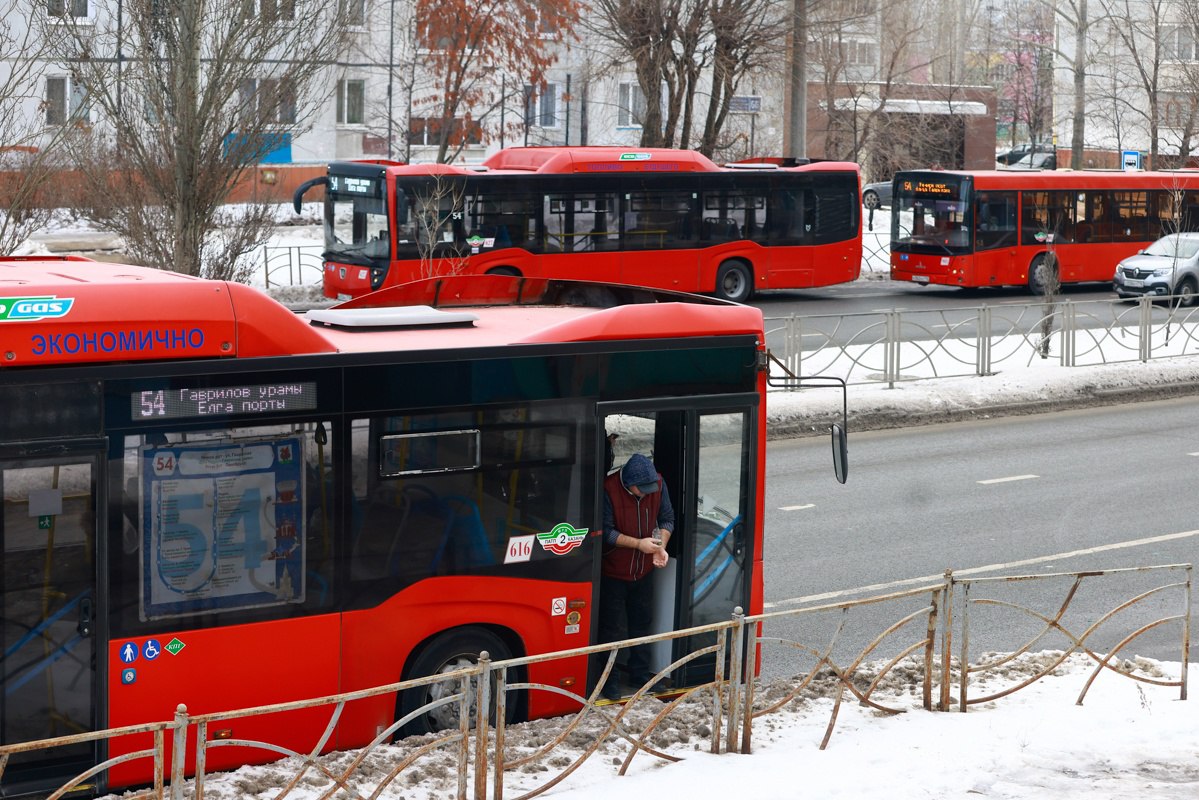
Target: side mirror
[840,453]
[297,199]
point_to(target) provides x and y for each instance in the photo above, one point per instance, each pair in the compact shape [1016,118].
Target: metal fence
[893,346]
[296,265]
[478,760]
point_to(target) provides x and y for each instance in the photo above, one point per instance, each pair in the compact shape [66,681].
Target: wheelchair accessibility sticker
[562,539]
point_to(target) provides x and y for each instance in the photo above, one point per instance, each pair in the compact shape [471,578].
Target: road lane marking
[797,508]
[1103,548]
[1009,479]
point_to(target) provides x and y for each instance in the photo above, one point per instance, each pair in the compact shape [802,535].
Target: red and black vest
[636,517]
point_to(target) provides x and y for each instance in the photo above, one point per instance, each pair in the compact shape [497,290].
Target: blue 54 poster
[222,526]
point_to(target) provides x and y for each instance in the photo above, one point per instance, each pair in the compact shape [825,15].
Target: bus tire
[1185,290]
[1036,274]
[512,271]
[448,652]
[734,281]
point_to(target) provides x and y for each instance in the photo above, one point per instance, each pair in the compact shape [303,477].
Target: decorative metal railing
[911,630]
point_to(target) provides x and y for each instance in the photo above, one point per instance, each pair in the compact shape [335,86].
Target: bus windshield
[356,229]
[931,213]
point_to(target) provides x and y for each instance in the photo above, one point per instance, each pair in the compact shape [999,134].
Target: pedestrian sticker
[128,675]
[174,646]
[151,650]
[128,652]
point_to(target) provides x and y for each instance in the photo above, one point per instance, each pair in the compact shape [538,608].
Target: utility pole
[798,122]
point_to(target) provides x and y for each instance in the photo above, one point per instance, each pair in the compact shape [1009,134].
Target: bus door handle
[85,617]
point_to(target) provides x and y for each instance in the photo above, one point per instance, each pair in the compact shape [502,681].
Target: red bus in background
[669,219]
[996,228]
[210,500]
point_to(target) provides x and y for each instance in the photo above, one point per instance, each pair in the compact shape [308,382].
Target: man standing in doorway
[638,523]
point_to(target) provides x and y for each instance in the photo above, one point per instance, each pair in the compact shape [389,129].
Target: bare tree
[1075,20]
[437,214]
[27,154]
[680,48]
[1023,38]
[189,96]
[745,35]
[1140,28]
[860,127]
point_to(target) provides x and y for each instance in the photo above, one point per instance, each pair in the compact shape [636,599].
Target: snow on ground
[1128,740]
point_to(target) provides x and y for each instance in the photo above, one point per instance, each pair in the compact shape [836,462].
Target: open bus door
[705,457]
[48,608]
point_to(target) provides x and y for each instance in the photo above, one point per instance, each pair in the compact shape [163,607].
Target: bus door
[48,606]
[704,457]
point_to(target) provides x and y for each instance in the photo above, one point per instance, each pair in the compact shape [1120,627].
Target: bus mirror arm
[297,199]
[839,432]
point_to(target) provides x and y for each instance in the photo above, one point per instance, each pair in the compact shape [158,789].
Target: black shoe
[611,690]
[658,687]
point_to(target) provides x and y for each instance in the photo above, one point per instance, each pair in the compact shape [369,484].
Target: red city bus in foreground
[668,219]
[996,228]
[210,500]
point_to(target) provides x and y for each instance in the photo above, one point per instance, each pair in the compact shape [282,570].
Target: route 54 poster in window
[223,526]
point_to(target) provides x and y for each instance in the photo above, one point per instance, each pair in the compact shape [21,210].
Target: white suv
[1169,266]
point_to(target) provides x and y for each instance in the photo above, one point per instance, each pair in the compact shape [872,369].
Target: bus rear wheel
[451,651]
[734,282]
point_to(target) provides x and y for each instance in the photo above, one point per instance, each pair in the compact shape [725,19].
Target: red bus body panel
[221,669]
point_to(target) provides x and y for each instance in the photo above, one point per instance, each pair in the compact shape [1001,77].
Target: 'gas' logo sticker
[29,309]
[562,539]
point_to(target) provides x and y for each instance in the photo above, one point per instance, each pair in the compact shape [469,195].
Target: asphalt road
[1113,485]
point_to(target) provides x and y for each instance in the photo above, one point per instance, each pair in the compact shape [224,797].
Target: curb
[888,419]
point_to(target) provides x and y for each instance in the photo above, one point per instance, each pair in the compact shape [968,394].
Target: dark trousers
[626,612]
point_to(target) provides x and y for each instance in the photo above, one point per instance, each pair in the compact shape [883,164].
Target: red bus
[210,500]
[997,228]
[668,219]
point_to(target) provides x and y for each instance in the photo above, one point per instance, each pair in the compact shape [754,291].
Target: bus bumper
[344,281]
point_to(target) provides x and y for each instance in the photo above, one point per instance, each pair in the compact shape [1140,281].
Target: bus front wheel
[734,282]
[1038,274]
[451,651]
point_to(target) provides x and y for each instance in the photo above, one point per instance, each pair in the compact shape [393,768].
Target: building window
[273,99]
[62,8]
[65,102]
[350,102]
[541,108]
[1178,44]
[1177,110]
[353,12]
[631,109]
[540,25]
[427,131]
[856,52]
[271,10]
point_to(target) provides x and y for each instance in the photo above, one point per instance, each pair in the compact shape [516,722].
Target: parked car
[1169,266]
[876,195]
[1010,157]
[1038,160]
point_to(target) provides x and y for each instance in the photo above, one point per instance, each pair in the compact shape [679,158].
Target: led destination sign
[925,187]
[188,403]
